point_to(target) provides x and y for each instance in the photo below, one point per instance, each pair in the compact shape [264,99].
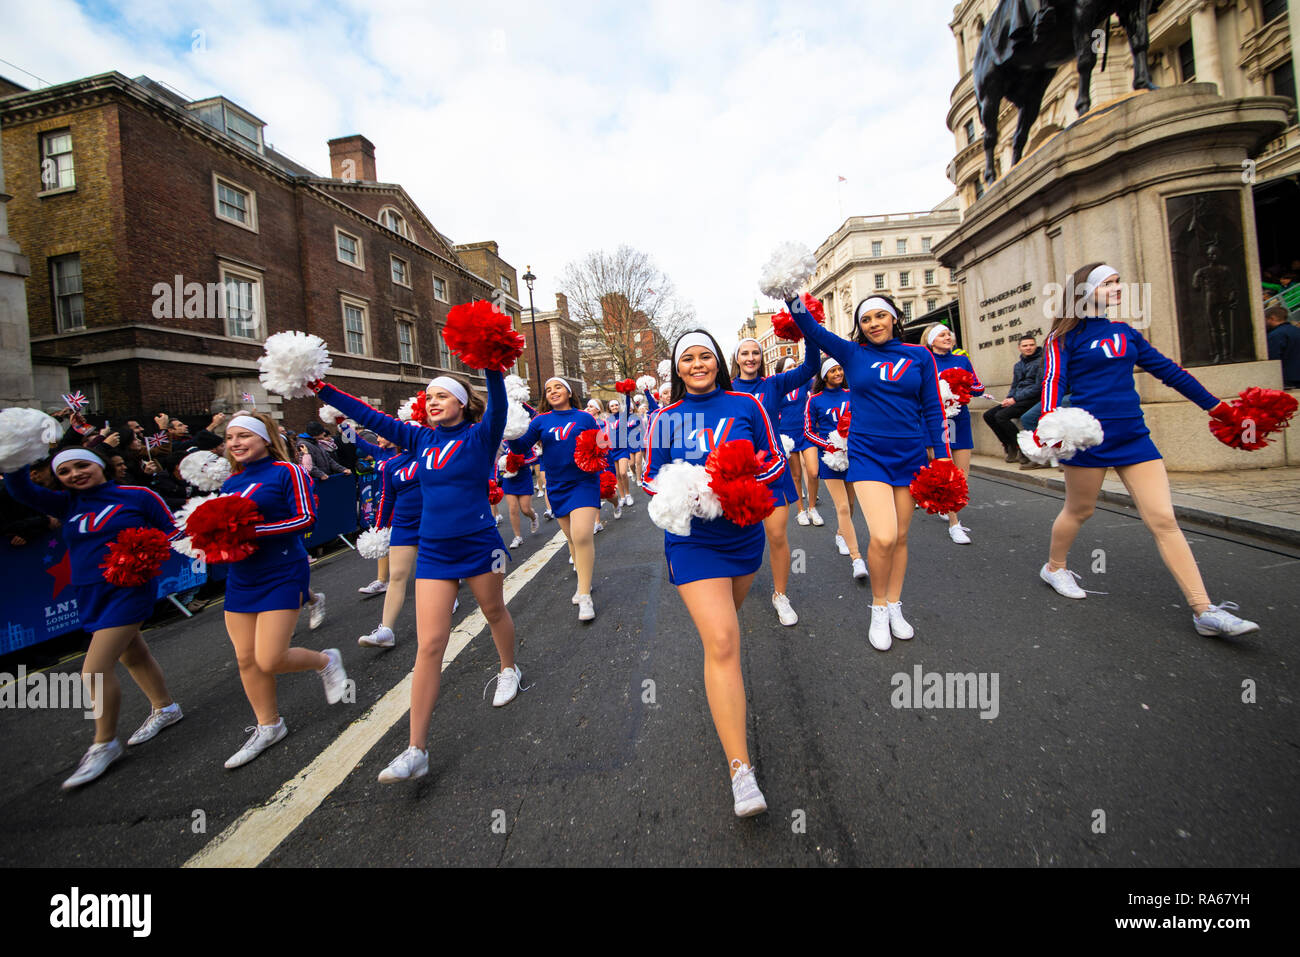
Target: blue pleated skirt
[465,556]
[109,606]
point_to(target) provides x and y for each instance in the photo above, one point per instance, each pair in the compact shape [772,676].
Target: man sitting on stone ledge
[1026,387]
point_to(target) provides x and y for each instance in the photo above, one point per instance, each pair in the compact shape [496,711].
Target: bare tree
[622,301]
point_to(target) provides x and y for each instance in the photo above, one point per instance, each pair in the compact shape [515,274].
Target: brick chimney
[352,158]
[562,304]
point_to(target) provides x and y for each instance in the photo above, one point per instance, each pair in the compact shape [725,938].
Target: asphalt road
[1120,737]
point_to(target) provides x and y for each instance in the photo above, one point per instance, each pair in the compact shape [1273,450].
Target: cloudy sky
[701,132]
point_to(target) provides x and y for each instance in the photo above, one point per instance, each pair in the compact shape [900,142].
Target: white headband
[556,378]
[1097,277]
[691,339]
[253,425]
[452,386]
[743,341]
[828,365]
[934,333]
[873,302]
[76,455]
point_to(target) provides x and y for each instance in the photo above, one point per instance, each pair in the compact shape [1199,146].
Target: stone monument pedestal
[1158,185]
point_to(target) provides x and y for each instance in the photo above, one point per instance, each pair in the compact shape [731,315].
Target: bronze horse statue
[1026,40]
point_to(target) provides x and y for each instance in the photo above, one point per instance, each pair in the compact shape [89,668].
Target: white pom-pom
[838,458]
[330,415]
[645,382]
[404,410]
[787,271]
[501,468]
[665,370]
[516,421]
[682,492]
[291,360]
[1042,454]
[25,437]
[182,515]
[951,404]
[788,443]
[517,389]
[1069,430]
[206,471]
[373,542]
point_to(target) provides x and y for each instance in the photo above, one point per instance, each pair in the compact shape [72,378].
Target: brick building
[759,326]
[168,239]
[484,259]
[628,346]
[558,351]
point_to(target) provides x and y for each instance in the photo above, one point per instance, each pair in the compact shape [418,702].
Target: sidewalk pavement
[1260,502]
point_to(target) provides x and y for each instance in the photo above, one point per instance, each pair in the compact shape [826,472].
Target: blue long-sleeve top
[793,405]
[771,389]
[822,413]
[376,452]
[282,492]
[689,429]
[400,502]
[455,461]
[558,432]
[93,518]
[894,388]
[1093,364]
[652,402]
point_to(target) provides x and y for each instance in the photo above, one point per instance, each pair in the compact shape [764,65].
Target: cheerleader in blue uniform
[1092,359]
[939,339]
[401,506]
[714,566]
[826,404]
[636,425]
[93,511]
[618,427]
[518,489]
[574,494]
[801,455]
[897,420]
[749,375]
[266,590]
[380,450]
[458,537]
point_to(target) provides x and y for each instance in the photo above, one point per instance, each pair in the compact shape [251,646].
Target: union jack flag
[75,401]
[247,397]
[155,440]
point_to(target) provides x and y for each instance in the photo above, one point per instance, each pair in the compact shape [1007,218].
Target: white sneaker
[898,625]
[815,516]
[158,719]
[548,515]
[407,766]
[802,517]
[1063,581]
[381,637]
[376,587]
[586,610]
[859,568]
[534,524]
[746,796]
[516,541]
[783,610]
[94,763]
[570,559]
[878,634]
[599,528]
[629,500]
[264,735]
[455,603]
[507,686]
[498,518]
[317,611]
[942,515]
[1219,620]
[958,534]
[334,676]
[618,509]
[841,544]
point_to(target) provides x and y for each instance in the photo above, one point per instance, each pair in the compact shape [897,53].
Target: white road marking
[259,831]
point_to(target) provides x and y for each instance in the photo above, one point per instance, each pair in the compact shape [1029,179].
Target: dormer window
[394,221]
[222,115]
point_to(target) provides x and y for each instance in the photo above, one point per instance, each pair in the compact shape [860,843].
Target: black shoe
[1013,455]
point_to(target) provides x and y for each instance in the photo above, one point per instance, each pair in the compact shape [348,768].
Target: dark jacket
[1027,377]
[1284,344]
[323,464]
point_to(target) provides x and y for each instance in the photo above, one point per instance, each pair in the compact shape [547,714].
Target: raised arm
[1171,373]
[653,405]
[530,436]
[791,380]
[400,433]
[494,418]
[44,500]
[814,332]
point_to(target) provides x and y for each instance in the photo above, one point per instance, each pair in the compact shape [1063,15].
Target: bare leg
[259,687]
[433,600]
[1082,485]
[810,473]
[1148,483]
[961,459]
[719,627]
[795,464]
[903,511]
[512,506]
[401,563]
[489,593]
[881,511]
[107,646]
[844,515]
[778,544]
[579,526]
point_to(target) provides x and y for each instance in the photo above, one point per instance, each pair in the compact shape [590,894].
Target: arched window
[394,220]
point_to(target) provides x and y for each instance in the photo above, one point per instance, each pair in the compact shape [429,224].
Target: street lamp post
[529,279]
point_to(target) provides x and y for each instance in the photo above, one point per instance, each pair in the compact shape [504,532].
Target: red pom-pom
[842,425]
[744,501]
[783,323]
[732,461]
[420,408]
[495,494]
[590,453]
[223,529]
[608,485]
[940,487]
[135,557]
[514,462]
[483,337]
[625,386]
[1247,422]
[960,381]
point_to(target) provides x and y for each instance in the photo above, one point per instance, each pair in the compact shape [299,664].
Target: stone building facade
[558,352]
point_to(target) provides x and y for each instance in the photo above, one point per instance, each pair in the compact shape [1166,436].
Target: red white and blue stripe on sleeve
[304,516]
[1053,375]
[157,510]
[778,457]
[808,432]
